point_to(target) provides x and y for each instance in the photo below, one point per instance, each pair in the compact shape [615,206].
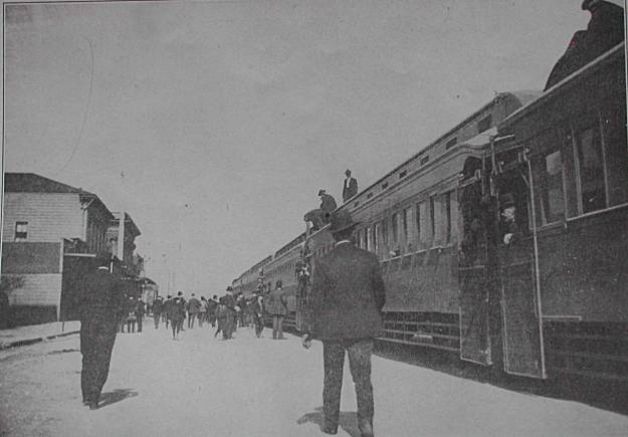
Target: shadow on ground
[63,351]
[348,421]
[120,394]
[611,396]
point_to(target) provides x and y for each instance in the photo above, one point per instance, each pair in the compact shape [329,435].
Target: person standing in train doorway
[345,313]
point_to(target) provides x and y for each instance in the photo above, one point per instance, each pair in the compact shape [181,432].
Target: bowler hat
[321,192]
[340,220]
[507,200]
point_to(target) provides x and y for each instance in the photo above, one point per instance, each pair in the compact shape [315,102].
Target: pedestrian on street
[277,308]
[229,315]
[131,318]
[347,298]
[202,314]
[177,314]
[194,308]
[212,306]
[257,311]
[166,310]
[157,309]
[101,308]
[140,310]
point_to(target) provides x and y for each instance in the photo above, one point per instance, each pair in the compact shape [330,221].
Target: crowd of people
[225,314]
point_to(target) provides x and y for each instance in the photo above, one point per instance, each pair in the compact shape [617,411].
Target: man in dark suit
[101,309]
[344,312]
[350,186]
[320,217]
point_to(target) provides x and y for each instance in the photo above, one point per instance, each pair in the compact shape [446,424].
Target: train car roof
[570,80]
[522,97]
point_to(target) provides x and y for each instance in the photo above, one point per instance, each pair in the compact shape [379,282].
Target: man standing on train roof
[345,313]
[350,186]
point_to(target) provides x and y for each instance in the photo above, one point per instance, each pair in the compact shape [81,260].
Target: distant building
[50,233]
[124,230]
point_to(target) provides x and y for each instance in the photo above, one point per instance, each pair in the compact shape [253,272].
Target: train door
[474,267]
[517,254]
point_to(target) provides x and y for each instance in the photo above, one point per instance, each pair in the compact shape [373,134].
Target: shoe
[366,429]
[93,405]
[330,430]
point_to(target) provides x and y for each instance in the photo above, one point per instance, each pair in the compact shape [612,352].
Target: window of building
[21,231]
[452,142]
[485,124]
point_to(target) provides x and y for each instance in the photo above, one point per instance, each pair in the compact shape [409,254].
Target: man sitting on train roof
[604,31]
[320,217]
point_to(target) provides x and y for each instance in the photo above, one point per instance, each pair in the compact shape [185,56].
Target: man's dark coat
[347,295]
[350,190]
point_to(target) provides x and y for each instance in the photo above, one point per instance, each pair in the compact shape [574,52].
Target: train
[503,241]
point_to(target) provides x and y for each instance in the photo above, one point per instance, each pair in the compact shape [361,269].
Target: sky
[214,124]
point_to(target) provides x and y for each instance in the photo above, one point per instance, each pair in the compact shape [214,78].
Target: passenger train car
[503,241]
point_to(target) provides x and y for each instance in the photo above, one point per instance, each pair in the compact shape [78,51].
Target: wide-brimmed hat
[340,220]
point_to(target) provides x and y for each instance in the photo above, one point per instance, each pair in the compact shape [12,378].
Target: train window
[405,219]
[384,233]
[485,124]
[384,185]
[591,167]
[395,228]
[417,221]
[616,155]
[452,142]
[548,180]
[403,174]
[432,229]
[425,159]
[447,214]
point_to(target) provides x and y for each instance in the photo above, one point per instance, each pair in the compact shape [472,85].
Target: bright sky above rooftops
[214,124]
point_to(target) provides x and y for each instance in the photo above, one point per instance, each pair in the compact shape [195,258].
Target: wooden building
[50,233]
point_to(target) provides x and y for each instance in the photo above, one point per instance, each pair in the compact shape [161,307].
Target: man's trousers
[97,338]
[359,352]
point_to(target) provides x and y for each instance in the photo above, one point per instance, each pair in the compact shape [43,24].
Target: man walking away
[157,308]
[102,307]
[194,308]
[257,311]
[277,307]
[140,310]
[212,306]
[345,313]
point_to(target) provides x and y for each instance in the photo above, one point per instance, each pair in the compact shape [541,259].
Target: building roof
[129,224]
[34,183]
